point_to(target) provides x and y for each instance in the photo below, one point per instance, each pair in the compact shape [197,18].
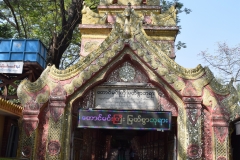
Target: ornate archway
[202,106]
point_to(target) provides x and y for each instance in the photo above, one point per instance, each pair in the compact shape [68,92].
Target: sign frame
[146,103]
[125,119]
[11,67]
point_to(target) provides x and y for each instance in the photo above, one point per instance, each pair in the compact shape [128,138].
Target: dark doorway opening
[235,144]
[115,144]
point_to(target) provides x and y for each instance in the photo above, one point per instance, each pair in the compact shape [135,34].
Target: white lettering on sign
[132,99]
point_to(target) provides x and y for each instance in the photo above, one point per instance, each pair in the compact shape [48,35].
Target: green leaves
[51,21]
[37,19]
[6,31]
[165,5]
[180,45]
[92,4]
[179,6]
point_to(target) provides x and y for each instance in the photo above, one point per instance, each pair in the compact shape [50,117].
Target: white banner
[126,98]
[11,67]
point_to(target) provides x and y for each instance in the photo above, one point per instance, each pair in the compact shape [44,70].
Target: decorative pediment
[126,39]
[166,19]
[133,2]
[128,82]
[90,17]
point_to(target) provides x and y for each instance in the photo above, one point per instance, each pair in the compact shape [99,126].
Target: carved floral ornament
[57,102]
[167,19]
[221,133]
[54,147]
[90,17]
[127,73]
[90,46]
[133,2]
[220,120]
[194,151]
[26,152]
[193,108]
[221,158]
[30,117]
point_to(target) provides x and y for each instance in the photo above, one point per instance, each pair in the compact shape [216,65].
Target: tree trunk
[60,42]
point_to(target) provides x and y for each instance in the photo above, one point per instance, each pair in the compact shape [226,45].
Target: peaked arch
[188,90]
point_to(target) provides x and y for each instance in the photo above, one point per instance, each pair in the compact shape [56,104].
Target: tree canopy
[53,22]
[225,60]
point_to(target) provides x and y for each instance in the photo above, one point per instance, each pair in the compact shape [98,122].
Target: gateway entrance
[115,121]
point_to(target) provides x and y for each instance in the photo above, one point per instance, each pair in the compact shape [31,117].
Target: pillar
[193,125]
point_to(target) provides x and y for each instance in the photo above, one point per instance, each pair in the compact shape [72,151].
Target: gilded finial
[127,30]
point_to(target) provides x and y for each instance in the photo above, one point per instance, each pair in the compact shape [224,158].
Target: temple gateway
[127,68]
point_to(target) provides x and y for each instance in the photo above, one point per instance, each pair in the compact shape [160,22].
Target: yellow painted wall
[2,118]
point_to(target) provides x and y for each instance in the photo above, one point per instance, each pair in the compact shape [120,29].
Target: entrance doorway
[235,143]
[117,144]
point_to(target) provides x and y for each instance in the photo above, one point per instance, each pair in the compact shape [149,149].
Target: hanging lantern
[237,124]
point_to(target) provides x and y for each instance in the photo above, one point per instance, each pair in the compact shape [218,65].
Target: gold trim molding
[10,108]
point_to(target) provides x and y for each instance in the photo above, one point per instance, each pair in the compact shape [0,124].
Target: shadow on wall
[235,142]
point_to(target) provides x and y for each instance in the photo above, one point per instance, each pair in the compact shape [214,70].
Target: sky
[210,22]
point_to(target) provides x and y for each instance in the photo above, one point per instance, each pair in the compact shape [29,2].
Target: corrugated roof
[10,108]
